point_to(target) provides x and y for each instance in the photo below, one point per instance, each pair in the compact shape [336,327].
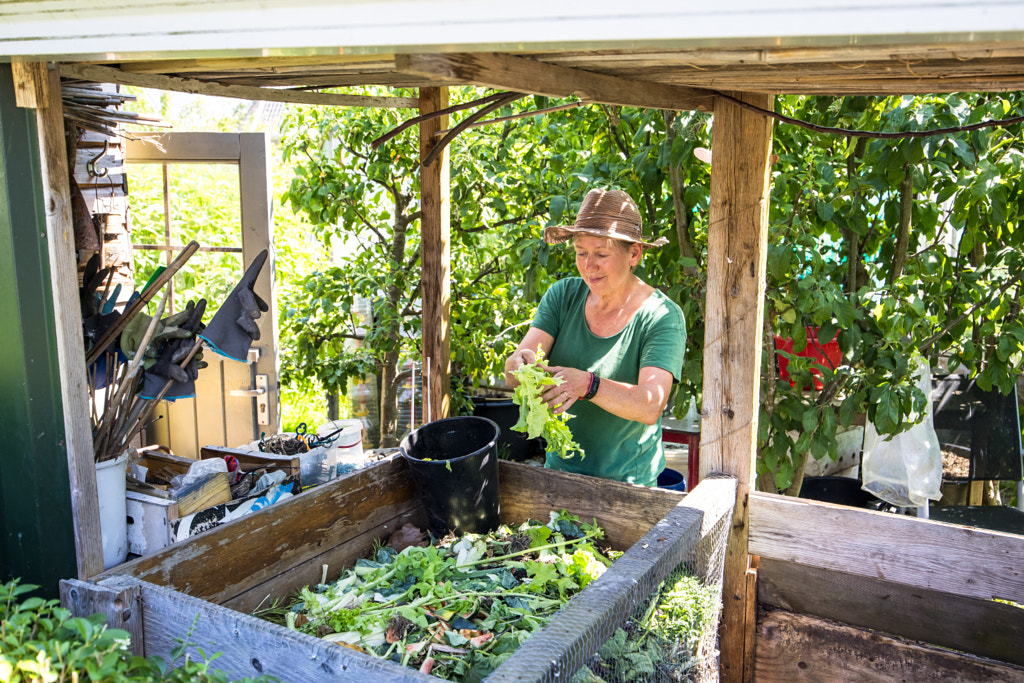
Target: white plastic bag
[905,470]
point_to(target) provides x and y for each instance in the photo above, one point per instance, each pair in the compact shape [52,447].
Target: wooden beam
[121,606]
[916,552]
[794,648]
[277,64]
[44,86]
[981,627]
[435,205]
[737,255]
[520,74]
[105,74]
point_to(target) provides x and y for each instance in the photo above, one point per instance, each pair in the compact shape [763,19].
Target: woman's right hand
[519,358]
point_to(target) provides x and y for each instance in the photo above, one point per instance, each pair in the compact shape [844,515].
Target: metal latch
[261,396]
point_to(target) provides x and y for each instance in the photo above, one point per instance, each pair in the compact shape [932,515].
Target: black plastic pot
[839,490]
[454,463]
[512,445]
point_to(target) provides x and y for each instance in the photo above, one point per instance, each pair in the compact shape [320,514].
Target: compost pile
[459,608]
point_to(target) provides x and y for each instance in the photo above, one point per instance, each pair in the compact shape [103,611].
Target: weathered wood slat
[981,627]
[558,649]
[530,76]
[106,74]
[122,606]
[793,648]
[917,552]
[249,646]
[624,511]
[178,148]
[233,558]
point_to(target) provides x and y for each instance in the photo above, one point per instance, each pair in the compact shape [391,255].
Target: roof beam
[508,72]
[105,74]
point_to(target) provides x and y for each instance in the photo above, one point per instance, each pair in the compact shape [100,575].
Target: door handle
[251,393]
[262,399]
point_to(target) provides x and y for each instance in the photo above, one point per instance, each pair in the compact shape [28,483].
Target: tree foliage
[901,247]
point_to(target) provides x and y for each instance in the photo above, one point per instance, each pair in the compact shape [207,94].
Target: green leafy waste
[459,608]
[535,417]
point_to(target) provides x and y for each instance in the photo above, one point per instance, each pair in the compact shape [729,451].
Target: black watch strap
[595,382]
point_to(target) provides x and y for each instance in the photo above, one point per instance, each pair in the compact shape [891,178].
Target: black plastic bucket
[512,445]
[454,463]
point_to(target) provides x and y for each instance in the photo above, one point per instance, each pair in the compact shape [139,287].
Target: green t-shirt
[614,448]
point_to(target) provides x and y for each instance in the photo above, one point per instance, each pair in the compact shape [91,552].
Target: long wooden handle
[154,287]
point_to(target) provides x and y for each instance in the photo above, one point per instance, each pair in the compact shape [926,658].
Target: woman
[616,342]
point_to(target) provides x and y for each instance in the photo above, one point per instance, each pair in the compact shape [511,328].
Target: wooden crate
[209,582]
[854,595]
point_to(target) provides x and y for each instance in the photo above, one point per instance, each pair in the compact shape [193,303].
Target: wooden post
[737,255]
[435,200]
[120,602]
[38,87]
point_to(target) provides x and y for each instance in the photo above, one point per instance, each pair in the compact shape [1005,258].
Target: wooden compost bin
[853,595]
[202,589]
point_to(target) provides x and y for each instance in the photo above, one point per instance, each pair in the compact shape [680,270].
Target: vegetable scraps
[535,417]
[459,608]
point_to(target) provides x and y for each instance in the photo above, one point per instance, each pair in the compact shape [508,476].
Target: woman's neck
[618,299]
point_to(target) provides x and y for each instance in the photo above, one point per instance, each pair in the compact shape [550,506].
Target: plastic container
[347,442]
[317,466]
[512,445]
[454,463]
[111,488]
[671,480]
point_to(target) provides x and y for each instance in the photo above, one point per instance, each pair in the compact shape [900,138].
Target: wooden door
[227,410]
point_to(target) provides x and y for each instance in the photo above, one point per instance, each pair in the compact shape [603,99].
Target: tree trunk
[391,357]
[899,257]
[678,190]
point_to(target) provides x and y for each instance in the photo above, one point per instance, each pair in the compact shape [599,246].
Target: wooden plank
[750,635]
[917,552]
[106,74]
[793,648]
[254,460]
[981,627]
[435,231]
[276,64]
[249,646]
[30,85]
[267,543]
[182,148]
[568,641]
[70,347]
[626,512]
[737,257]
[256,196]
[122,606]
[509,72]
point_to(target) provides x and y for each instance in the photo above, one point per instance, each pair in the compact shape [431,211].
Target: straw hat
[604,213]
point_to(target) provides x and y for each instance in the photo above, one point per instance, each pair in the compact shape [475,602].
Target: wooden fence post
[737,255]
[435,202]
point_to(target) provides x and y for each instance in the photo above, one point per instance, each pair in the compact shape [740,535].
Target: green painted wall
[37,541]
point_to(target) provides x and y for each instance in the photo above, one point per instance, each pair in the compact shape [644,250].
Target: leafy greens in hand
[535,417]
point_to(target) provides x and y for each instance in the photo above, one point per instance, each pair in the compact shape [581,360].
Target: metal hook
[90,165]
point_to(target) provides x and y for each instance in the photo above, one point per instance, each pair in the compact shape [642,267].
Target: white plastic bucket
[110,485]
[348,443]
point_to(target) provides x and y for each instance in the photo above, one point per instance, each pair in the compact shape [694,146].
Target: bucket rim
[492,443]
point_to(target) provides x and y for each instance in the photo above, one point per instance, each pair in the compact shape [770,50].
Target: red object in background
[827,355]
[692,441]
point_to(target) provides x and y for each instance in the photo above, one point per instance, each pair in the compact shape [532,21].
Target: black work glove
[234,328]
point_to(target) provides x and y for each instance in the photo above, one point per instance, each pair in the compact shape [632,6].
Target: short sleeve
[664,343]
[551,310]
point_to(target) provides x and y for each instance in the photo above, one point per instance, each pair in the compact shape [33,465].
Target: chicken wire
[653,616]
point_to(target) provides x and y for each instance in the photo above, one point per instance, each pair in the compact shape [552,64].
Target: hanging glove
[92,278]
[168,363]
[169,328]
[234,328]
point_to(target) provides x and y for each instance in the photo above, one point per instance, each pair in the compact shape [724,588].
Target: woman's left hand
[574,385]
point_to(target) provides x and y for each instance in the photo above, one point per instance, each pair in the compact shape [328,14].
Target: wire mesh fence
[653,616]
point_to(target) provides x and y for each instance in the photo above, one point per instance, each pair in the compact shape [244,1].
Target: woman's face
[605,264]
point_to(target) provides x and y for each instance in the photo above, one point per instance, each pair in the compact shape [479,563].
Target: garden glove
[171,353]
[234,328]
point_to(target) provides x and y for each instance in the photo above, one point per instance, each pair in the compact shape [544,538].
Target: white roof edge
[150,29]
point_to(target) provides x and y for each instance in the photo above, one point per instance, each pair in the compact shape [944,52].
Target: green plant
[42,642]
